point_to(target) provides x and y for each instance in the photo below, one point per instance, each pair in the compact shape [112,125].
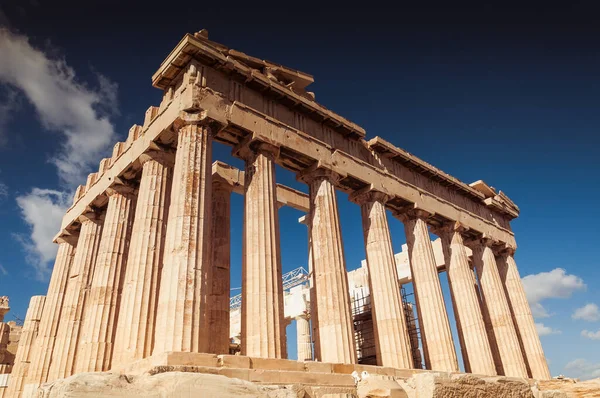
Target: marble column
[303,339]
[181,313]
[496,313]
[314,317]
[392,343]
[263,330]
[67,338]
[436,337]
[335,336]
[219,276]
[522,318]
[137,313]
[101,310]
[51,316]
[26,342]
[475,345]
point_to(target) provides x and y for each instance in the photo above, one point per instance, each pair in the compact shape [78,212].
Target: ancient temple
[142,272]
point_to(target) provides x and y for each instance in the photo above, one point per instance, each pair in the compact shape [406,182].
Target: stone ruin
[141,279]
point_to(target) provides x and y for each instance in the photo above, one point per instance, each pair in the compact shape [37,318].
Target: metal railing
[290,279]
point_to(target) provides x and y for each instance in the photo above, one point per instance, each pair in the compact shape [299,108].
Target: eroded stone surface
[163,385]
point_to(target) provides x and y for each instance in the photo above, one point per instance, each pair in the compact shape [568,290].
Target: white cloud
[538,311]
[64,105]
[79,113]
[590,335]
[545,285]
[3,270]
[544,330]
[582,369]
[588,312]
[42,210]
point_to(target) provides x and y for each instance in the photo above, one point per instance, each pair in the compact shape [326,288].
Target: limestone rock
[163,385]
[374,387]
[445,385]
[569,388]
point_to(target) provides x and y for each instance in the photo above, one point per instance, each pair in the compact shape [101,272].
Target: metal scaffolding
[290,279]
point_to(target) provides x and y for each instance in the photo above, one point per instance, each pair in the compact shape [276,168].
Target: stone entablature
[243,113]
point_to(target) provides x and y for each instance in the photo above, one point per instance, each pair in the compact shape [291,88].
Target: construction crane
[290,279]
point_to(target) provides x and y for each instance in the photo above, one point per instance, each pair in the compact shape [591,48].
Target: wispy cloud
[546,285]
[42,210]
[588,312]
[63,104]
[544,330]
[590,335]
[80,114]
[3,270]
[583,369]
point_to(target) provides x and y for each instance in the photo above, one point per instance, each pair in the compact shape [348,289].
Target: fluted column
[51,316]
[436,336]
[522,318]
[314,317]
[263,330]
[101,309]
[303,340]
[137,314]
[496,313]
[392,343]
[219,274]
[475,346]
[181,313]
[335,336]
[24,351]
[78,285]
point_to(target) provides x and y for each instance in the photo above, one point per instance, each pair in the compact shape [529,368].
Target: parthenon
[143,265]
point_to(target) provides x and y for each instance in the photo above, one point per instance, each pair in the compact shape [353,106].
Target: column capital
[368,194]
[305,315]
[248,148]
[449,228]
[121,187]
[91,214]
[411,212]
[482,242]
[197,119]
[221,184]
[165,157]
[506,251]
[69,237]
[319,171]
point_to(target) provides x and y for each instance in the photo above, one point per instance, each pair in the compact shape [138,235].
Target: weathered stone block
[320,367]
[234,361]
[191,359]
[276,364]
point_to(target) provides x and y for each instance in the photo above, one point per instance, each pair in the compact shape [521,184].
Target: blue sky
[510,96]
